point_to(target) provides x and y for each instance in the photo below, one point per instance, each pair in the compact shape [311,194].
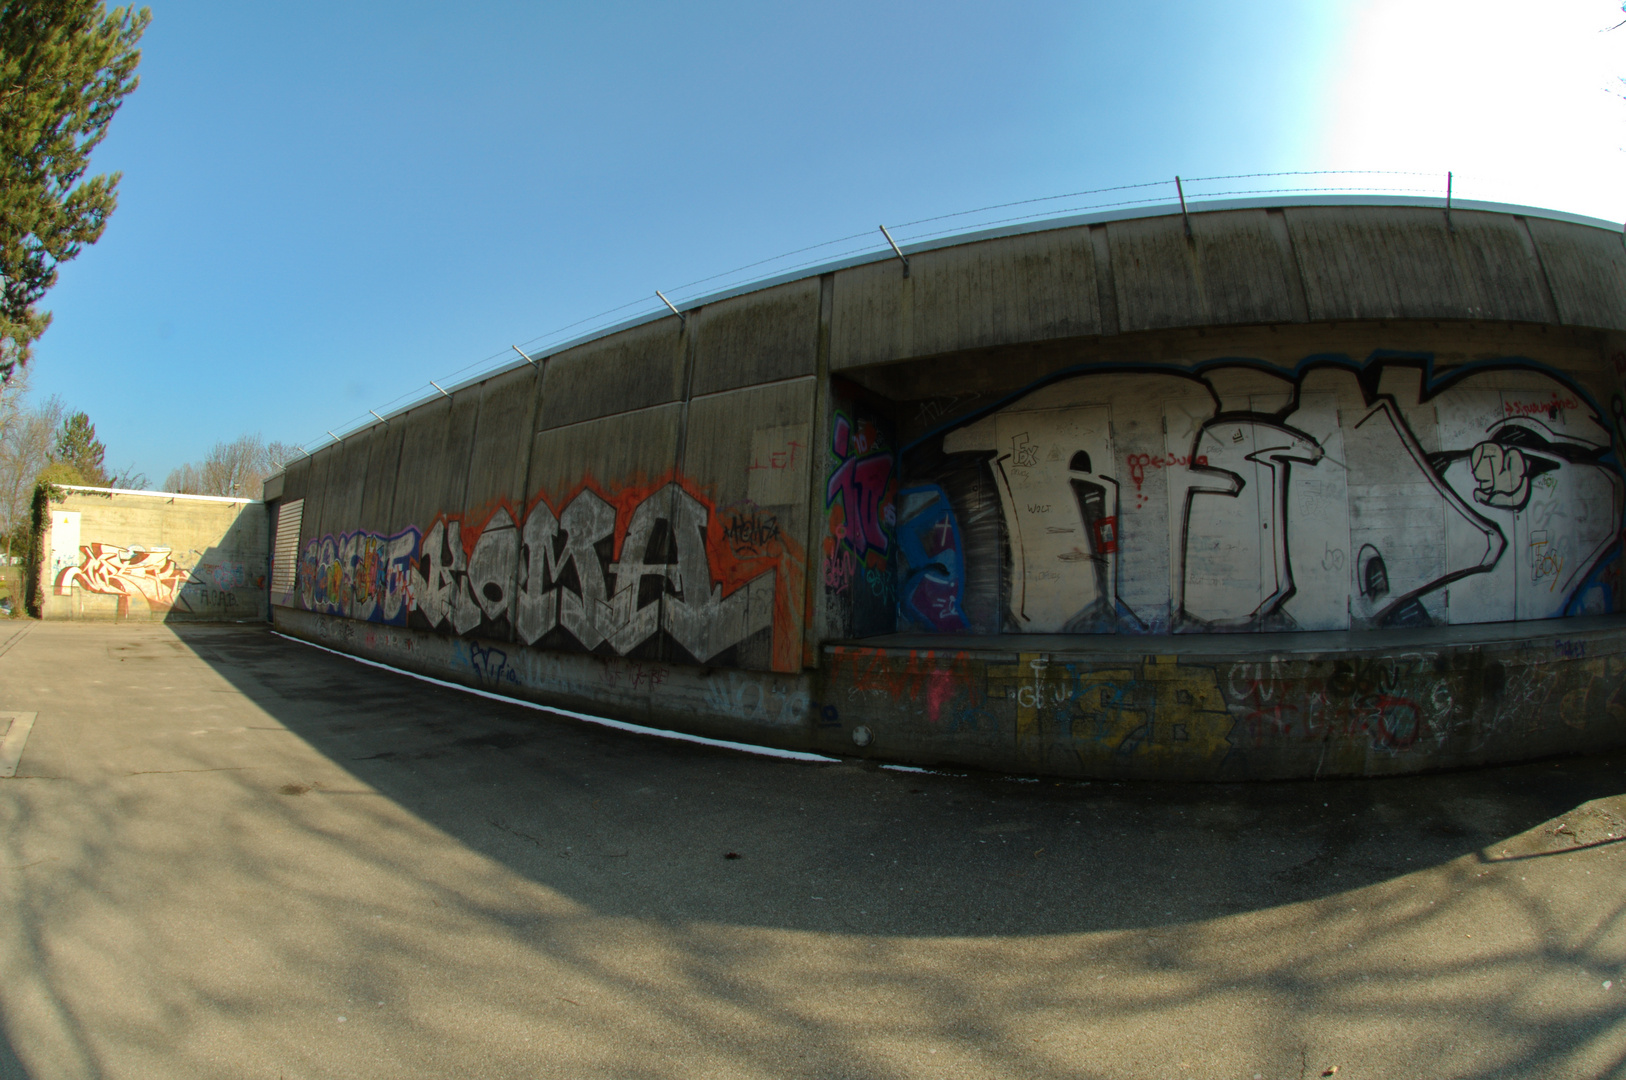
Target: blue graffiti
[488,663]
[932,564]
[361,575]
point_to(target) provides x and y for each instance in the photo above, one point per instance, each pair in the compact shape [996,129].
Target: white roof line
[153,494]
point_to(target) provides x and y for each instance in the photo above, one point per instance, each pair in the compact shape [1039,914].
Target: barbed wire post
[683,320]
[896,250]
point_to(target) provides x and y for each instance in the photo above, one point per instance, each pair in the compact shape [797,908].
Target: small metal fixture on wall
[896,250]
[683,320]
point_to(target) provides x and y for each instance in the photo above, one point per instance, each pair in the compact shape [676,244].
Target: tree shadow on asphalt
[11,1068]
[873,917]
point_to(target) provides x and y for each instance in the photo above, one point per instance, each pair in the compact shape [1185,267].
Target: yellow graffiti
[1158,710]
[1190,711]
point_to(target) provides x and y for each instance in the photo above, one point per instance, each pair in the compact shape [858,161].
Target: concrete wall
[1312,419]
[153,555]
[1286,266]
[645,496]
[1204,709]
[1193,709]
[1233,495]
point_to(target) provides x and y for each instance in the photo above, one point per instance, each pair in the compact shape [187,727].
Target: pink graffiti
[1533,408]
[125,572]
[1139,463]
[861,482]
[783,458]
[648,676]
[941,686]
[839,569]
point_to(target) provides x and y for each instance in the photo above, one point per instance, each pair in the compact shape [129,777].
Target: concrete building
[1281,489]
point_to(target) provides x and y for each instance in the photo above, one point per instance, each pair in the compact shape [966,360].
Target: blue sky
[323,209]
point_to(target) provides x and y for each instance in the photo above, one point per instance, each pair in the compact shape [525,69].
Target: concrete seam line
[16,736]
[619,725]
[5,646]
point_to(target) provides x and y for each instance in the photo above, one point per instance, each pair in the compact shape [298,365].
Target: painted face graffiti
[931,560]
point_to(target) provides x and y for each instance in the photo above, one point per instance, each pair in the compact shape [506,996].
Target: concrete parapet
[634,369]
[1194,708]
[758,338]
[766,708]
[1210,707]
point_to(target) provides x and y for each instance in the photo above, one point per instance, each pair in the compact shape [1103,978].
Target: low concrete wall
[1200,708]
[1217,707]
[753,706]
[109,554]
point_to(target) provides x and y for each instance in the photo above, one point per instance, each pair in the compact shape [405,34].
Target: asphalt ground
[226,854]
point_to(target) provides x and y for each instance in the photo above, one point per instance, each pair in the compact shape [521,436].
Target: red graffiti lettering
[1535,408]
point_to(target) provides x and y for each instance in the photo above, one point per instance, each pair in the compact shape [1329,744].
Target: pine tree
[65,67]
[77,447]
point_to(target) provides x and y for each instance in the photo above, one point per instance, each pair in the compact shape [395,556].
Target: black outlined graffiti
[1253,484]
[559,574]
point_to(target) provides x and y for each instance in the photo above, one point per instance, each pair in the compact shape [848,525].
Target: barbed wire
[649,305]
[1304,172]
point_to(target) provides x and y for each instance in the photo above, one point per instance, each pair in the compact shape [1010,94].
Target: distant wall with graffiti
[1235,496]
[109,555]
[360,575]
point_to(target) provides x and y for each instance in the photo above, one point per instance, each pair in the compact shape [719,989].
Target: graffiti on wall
[931,560]
[1153,709]
[154,576]
[361,575]
[1236,497]
[126,572]
[659,576]
[860,508]
[614,570]
[1167,715]
[861,484]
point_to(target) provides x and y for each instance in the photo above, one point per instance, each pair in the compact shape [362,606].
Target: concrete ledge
[1193,707]
[1232,707]
[723,703]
